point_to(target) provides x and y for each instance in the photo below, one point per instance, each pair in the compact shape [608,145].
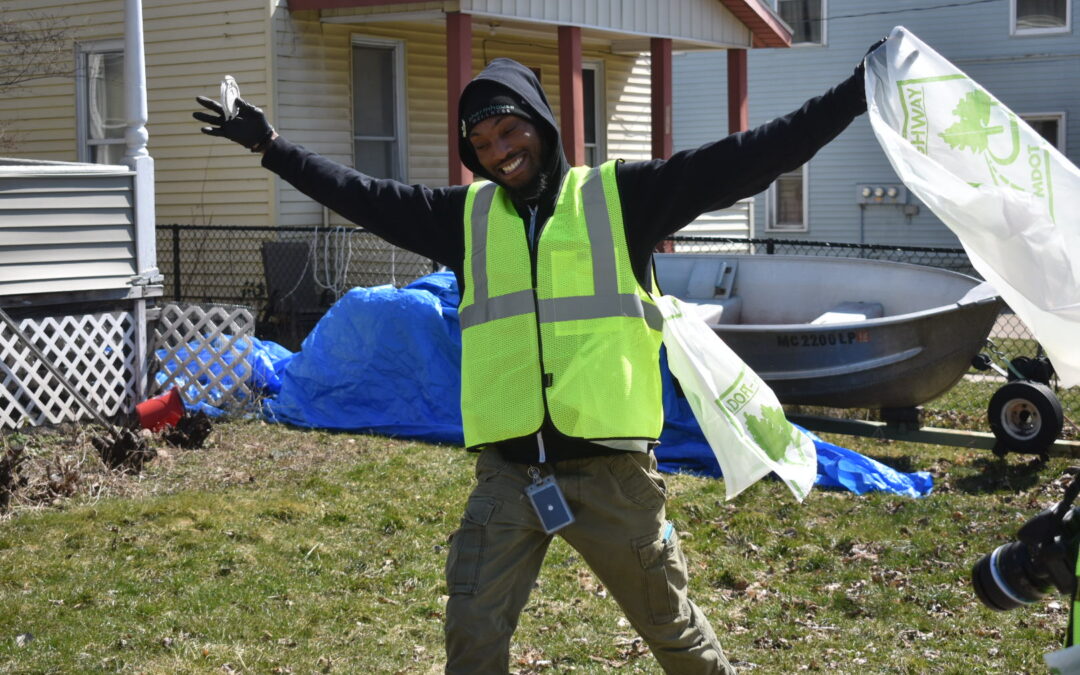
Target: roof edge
[767,28]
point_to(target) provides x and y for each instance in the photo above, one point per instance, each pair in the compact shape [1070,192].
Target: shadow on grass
[998,475]
[902,463]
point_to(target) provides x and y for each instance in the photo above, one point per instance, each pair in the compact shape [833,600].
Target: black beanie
[486,99]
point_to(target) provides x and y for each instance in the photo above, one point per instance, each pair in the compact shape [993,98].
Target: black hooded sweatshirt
[658,197]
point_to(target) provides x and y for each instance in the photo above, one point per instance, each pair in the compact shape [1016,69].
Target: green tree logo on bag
[973,130]
[772,432]
[950,114]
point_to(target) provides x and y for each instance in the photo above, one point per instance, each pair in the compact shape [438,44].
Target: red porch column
[458,74]
[571,95]
[661,97]
[738,110]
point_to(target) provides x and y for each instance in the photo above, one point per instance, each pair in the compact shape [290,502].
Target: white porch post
[142,164]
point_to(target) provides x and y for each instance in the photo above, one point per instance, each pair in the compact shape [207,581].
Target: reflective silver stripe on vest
[499,307]
[480,210]
[599,307]
[605,282]
[606,300]
[562,309]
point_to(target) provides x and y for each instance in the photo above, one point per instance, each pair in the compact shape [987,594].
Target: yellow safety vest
[577,336]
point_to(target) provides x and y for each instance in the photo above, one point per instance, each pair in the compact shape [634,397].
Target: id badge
[550,505]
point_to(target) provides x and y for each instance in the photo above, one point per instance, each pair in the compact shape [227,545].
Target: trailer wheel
[1025,416]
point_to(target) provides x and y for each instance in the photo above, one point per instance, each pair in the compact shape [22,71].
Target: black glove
[860,69]
[249,127]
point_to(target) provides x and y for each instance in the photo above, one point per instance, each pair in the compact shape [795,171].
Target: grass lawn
[279,550]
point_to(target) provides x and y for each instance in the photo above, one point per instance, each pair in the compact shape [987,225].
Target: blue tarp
[386,360]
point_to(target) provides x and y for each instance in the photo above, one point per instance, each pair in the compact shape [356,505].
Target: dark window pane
[789,198]
[588,85]
[375,158]
[105,85]
[1047,128]
[804,17]
[373,91]
[1040,14]
[107,153]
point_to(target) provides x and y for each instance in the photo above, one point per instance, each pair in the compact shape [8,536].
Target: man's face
[509,148]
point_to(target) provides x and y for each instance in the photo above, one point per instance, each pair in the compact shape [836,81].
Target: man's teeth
[512,165]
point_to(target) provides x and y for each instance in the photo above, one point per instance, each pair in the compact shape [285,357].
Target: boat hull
[895,361]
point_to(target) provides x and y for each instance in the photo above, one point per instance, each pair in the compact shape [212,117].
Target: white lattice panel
[96,352]
[203,351]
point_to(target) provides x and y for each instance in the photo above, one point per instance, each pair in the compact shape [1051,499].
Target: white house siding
[733,221]
[312,62]
[701,21]
[629,92]
[701,118]
[65,228]
[700,99]
[1028,74]
[189,47]
[40,116]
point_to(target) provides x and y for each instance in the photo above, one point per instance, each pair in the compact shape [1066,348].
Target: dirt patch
[190,432]
[127,451]
[10,478]
[62,465]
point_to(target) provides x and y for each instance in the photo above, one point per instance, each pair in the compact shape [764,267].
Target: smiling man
[507,144]
[560,341]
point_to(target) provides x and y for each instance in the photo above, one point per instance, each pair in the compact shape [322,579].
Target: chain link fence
[289,277]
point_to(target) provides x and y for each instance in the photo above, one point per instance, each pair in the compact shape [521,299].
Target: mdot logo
[951,118]
[741,392]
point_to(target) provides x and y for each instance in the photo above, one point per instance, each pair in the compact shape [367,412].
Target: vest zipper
[534,246]
[532,238]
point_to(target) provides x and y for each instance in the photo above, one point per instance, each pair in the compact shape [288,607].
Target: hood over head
[505,87]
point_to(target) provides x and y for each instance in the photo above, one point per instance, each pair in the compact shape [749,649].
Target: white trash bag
[739,414]
[1009,196]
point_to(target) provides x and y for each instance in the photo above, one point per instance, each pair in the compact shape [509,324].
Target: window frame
[1014,31]
[1059,116]
[83,142]
[771,207]
[824,26]
[599,109]
[397,48]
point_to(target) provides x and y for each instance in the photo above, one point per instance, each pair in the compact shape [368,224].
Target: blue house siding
[1029,74]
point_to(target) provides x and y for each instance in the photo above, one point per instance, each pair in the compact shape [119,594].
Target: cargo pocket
[466,555]
[665,578]
[634,481]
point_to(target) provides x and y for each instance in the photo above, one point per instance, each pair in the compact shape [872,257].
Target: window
[806,19]
[592,77]
[1035,17]
[787,203]
[99,89]
[1050,126]
[378,106]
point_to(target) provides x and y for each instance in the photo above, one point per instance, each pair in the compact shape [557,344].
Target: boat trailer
[1025,414]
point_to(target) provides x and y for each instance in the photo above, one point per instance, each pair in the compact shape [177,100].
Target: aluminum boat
[839,332]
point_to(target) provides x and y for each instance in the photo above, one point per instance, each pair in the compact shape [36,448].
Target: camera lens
[1008,578]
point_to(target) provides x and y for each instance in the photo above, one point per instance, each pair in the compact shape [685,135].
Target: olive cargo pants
[620,531]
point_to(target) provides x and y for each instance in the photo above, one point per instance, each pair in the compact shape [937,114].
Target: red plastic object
[161,411]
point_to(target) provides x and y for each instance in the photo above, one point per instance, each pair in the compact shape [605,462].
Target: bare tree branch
[34,49]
